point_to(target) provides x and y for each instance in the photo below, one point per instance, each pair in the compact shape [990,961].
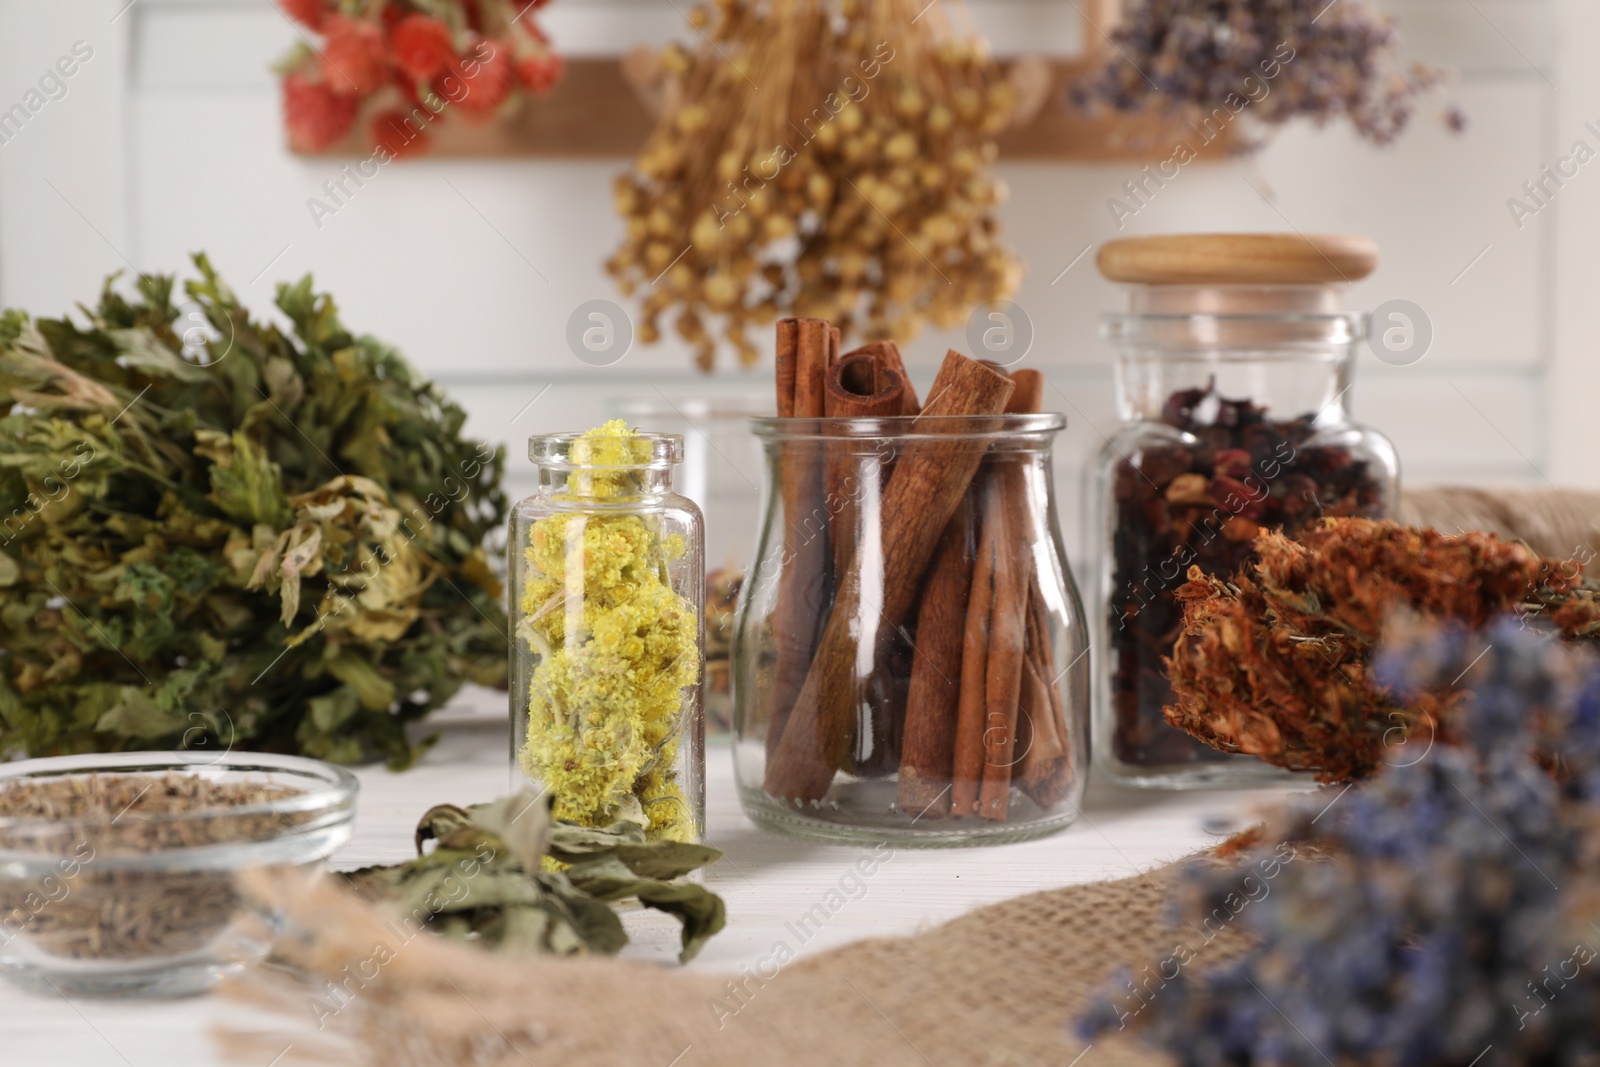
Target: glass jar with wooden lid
[1233,384]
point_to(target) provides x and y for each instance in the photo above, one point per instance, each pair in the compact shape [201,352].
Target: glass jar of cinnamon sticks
[910,656]
[1233,381]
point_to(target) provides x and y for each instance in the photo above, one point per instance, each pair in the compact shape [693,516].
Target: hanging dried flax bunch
[820,158]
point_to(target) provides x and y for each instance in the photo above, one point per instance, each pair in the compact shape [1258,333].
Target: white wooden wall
[169,140]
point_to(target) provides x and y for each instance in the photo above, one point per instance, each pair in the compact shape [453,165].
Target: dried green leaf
[245,483]
[332,710]
[701,911]
[571,842]
[142,350]
[591,920]
[372,689]
[625,841]
[487,879]
[522,822]
[452,827]
[137,715]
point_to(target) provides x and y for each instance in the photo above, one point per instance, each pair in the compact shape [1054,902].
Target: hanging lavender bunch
[1458,921]
[1200,60]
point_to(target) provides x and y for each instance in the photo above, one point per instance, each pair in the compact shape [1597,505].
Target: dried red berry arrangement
[410,65]
[1200,500]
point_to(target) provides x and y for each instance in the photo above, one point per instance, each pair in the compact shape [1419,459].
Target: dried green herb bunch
[1277,663]
[822,158]
[1276,60]
[217,534]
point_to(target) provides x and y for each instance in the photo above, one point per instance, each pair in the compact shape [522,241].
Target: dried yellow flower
[616,647]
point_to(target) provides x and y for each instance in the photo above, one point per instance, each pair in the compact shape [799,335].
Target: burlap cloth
[1556,522]
[999,986]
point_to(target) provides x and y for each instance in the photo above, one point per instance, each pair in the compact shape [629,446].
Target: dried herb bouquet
[215,533]
[411,65]
[820,158]
[1205,61]
[1277,663]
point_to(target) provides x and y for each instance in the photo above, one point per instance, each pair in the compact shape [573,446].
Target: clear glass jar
[926,688]
[141,900]
[607,567]
[1235,402]
[718,474]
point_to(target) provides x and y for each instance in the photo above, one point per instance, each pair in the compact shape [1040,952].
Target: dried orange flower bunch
[820,158]
[1277,663]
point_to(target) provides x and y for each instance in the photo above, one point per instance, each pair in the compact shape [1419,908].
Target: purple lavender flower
[1458,921]
[1276,60]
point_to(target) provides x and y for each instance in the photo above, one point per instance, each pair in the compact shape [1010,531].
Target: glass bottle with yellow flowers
[608,572]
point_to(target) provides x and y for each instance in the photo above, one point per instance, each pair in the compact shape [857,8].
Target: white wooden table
[768,881]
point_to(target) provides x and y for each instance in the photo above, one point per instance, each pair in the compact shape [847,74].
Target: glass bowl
[143,903]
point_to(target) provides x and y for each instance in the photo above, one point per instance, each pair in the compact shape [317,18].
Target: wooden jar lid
[1238,259]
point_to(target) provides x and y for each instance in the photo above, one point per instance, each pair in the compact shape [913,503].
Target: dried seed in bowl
[95,905]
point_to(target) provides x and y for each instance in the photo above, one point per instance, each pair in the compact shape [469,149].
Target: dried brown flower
[822,158]
[1276,663]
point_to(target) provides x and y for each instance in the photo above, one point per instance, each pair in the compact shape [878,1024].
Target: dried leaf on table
[508,875]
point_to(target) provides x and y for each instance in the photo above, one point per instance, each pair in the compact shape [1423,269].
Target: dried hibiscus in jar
[1233,377]
[1199,498]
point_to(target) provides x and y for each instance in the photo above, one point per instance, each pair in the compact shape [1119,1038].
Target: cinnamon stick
[927,750]
[886,354]
[1004,507]
[990,710]
[858,387]
[1029,395]
[815,347]
[799,610]
[1035,731]
[784,361]
[923,491]
[881,715]
[967,765]
[1046,759]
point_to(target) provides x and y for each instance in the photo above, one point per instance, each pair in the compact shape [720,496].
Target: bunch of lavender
[1205,61]
[1458,920]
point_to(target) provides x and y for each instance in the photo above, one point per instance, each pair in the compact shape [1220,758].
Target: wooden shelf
[594,113]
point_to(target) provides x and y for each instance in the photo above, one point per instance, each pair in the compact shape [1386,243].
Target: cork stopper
[1255,259]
